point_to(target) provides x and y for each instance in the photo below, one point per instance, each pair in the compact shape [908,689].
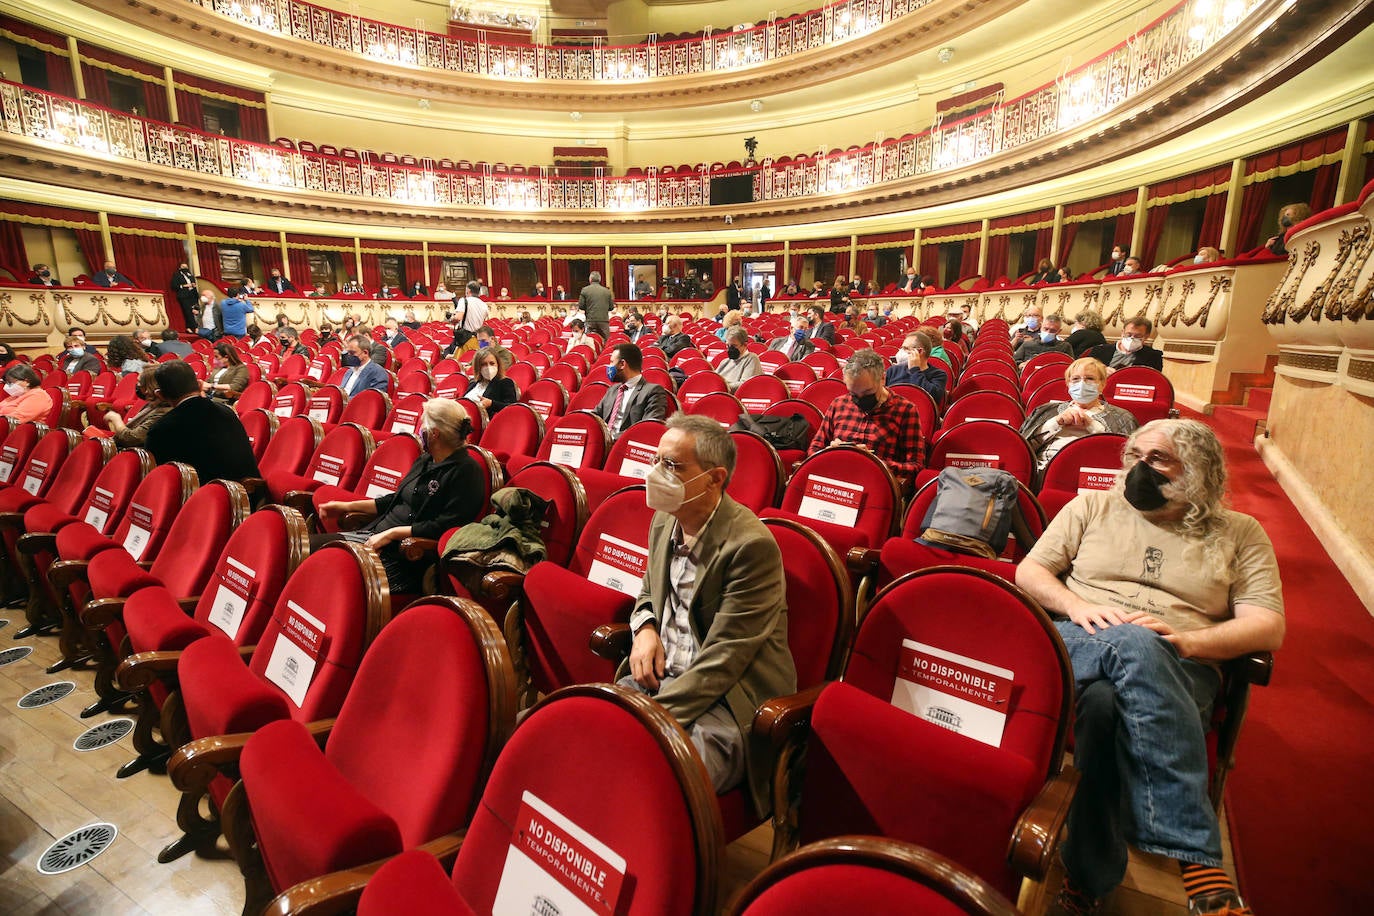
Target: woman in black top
[489,387]
[443,489]
[1045,272]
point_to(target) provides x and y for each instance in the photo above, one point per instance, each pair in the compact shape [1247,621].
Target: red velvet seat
[578,440]
[1054,389]
[699,386]
[517,429]
[236,604]
[293,445]
[589,395]
[257,395]
[823,392]
[1146,393]
[869,875]
[404,416]
[981,405]
[291,399]
[720,406]
[260,425]
[39,470]
[847,494]
[14,452]
[759,474]
[382,474]
[1041,360]
[1088,463]
[984,443]
[872,767]
[367,408]
[183,566]
[633,451]
[325,405]
[795,376]
[338,461]
[548,398]
[1032,379]
[562,604]
[658,828]
[356,810]
[986,381]
[324,619]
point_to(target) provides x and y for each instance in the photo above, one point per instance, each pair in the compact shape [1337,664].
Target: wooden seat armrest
[188,603]
[417,549]
[352,521]
[254,485]
[338,892]
[503,585]
[1255,668]
[611,641]
[145,565]
[64,573]
[36,542]
[196,763]
[140,670]
[1036,835]
[300,500]
[320,730]
[99,613]
[11,520]
[862,561]
[786,719]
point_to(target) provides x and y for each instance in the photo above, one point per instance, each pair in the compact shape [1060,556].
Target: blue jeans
[1139,741]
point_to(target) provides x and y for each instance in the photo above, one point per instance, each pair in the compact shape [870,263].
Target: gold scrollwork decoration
[1276,309]
[132,303]
[1342,299]
[1219,285]
[1317,298]
[1361,304]
[12,317]
[1118,314]
[101,311]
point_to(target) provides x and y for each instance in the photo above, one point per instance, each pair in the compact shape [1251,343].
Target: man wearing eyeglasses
[913,367]
[1131,349]
[710,623]
[1153,584]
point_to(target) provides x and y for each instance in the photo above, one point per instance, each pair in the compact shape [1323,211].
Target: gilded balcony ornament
[1339,302]
[1317,298]
[12,318]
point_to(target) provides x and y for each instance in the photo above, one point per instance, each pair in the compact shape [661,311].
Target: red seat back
[109,495]
[387,464]
[567,511]
[406,413]
[339,459]
[589,395]
[847,487]
[984,405]
[260,425]
[986,381]
[14,453]
[698,386]
[720,406]
[517,429]
[290,400]
[820,601]
[1053,390]
[795,376]
[548,397]
[634,449]
[759,475]
[256,395]
[1145,392]
[761,392]
[291,447]
[367,408]
[45,460]
[982,442]
[197,535]
[1088,463]
[325,404]
[1040,360]
[578,440]
[152,507]
[73,480]
[251,571]
[824,391]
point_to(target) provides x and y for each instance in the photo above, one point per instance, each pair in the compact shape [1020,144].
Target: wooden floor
[48,789]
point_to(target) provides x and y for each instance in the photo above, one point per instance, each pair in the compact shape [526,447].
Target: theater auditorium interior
[203,714]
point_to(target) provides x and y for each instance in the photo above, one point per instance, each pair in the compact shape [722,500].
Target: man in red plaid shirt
[872,417]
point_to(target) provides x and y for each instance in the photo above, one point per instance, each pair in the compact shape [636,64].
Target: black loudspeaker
[732,189]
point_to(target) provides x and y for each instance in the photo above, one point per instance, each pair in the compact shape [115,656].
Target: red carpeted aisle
[1301,799]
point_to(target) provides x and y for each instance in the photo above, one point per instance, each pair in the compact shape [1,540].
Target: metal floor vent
[4,622]
[103,735]
[77,848]
[48,693]
[10,656]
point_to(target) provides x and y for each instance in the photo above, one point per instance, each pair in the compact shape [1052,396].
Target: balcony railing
[1142,61]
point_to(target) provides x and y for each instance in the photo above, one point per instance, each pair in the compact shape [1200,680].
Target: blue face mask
[1032,323]
[1048,337]
[611,373]
[798,334]
[1083,392]
[481,344]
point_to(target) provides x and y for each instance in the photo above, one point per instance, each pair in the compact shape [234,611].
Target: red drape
[414,269]
[88,240]
[97,86]
[718,271]
[562,276]
[1253,201]
[155,102]
[1213,216]
[1066,240]
[299,259]
[1044,238]
[149,261]
[253,123]
[999,254]
[372,272]
[59,71]
[13,254]
[1324,186]
[842,264]
[968,262]
[207,253]
[188,109]
[864,265]
[271,259]
[500,274]
[1125,228]
[1154,230]
[930,263]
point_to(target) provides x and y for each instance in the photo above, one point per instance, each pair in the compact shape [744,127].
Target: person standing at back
[596,302]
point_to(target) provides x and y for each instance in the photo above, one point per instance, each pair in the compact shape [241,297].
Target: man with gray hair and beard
[1153,584]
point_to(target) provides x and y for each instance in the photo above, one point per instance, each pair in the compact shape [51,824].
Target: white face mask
[488,372]
[15,389]
[1131,344]
[1084,391]
[664,492]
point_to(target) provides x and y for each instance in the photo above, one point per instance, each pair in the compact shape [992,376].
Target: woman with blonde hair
[1052,426]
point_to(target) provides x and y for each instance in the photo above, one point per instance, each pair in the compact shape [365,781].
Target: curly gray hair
[1202,485]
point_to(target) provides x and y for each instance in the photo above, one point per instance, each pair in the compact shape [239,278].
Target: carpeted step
[1237,422]
[1259,398]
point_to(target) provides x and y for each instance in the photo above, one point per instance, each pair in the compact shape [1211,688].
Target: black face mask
[1286,221]
[1143,488]
[865,402]
[732,352]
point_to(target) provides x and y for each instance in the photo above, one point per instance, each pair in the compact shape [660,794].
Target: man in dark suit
[911,283]
[183,285]
[1118,262]
[636,331]
[366,374]
[394,334]
[199,431]
[796,345]
[734,295]
[172,343]
[674,339]
[819,326]
[632,399]
[110,277]
[596,301]
[710,622]
[42,276]
[279,284]
[1131,349]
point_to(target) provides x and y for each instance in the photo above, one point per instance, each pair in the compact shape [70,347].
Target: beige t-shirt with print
[1112,555]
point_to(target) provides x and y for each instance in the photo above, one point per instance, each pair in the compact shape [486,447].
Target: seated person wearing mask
[1052,426]
[1152,585]
[710,622]
[1028,328]
[366,374]
[442,490]
[490,388]
[1131,349]
[1047,342]
[797,345]
[913,367]
[630,398]
[819,327]
[1087,333]
[674,339]
[873,418]
[77,359]
[636,331]
[739,364]
[199,431]
[134,433]
[27,402]
[229,376]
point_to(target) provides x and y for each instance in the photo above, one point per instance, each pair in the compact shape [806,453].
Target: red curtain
[149,261]
[1324,186]
[1154,230]
[207,253]
[372,272]
[92,249]
[13,254]
[1125,228]
[718,276]
[842,264]
[930,263]
[299,259]
[270,256]
[59,70]
[864,265]
[968,262]
[1066,239]
[97,86]
[500,274]
[1213,216]
[1253,202]
[253,123]
[414,268]
[189,111]
[562,276]
[1044,238]
[155,102]
[999,254]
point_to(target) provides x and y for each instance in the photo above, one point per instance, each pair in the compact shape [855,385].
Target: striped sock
[1204,880]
